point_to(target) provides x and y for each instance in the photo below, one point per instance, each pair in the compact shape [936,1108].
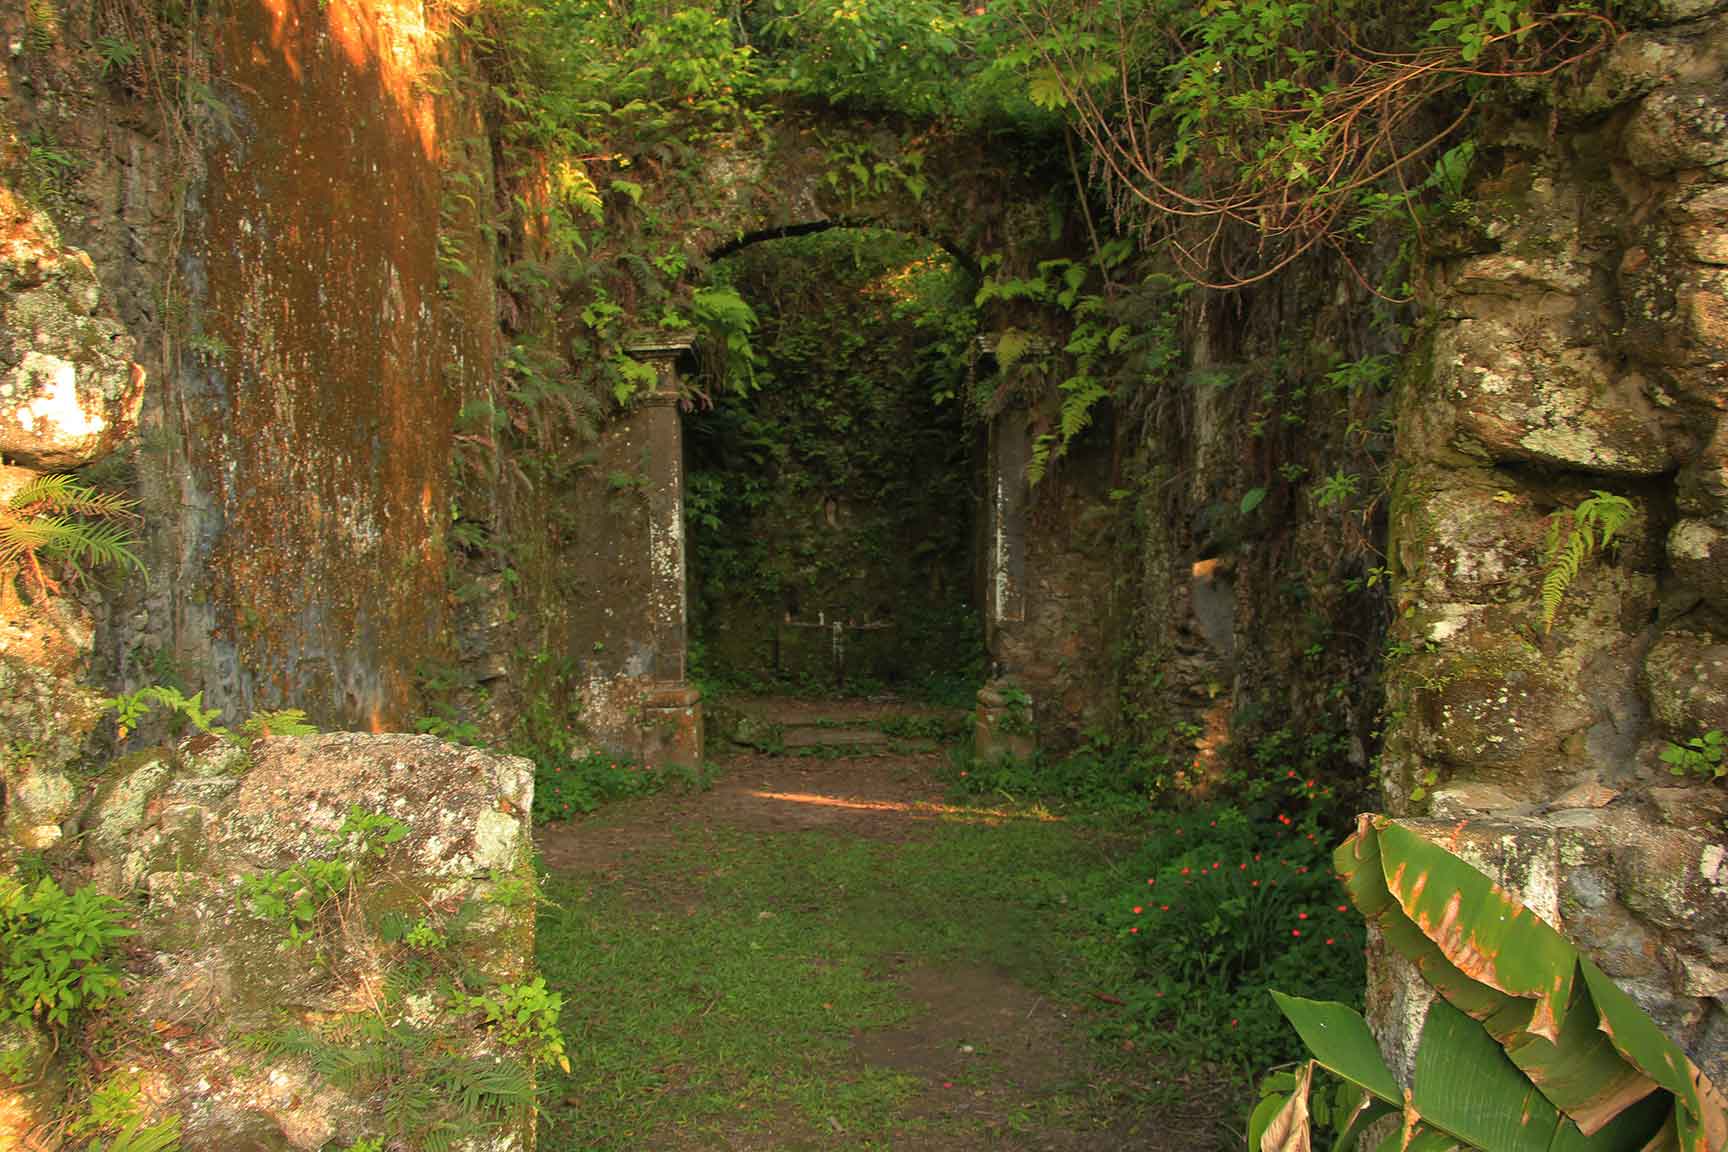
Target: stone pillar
[1003,726]
[1008,495]
[671,711]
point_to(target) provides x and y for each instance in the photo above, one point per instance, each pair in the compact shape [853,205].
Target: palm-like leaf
[56,518]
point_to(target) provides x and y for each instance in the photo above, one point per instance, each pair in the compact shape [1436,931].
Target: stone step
[821,736]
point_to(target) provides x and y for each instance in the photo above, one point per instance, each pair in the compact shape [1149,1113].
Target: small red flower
[1295,931]
[1328,939]
[1134,931]
[1254,884]
[1150,880]
[1184,871]
[1343,908]
[1137,909]
[1163,907]
[1301,915]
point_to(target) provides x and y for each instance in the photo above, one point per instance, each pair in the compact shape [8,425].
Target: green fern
[137,1137]
[430,1098]
[57,519]
[1594,524]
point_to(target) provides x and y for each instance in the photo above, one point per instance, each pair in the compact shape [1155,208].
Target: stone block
[1525,389]
[1679,126]
[69,390]
[1686,677]
[1004,727]
[206,960]
[672,726]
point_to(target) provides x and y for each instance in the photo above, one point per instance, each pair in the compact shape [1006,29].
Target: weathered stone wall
[69,393]
[297,254]
[209,980]
[1246,528]
[1578,342]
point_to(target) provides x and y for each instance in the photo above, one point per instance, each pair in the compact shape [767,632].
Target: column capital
[661,347]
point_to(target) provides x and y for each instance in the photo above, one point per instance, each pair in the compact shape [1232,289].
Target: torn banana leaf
[1591,1052]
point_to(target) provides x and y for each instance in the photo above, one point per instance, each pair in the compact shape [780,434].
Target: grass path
[822,954]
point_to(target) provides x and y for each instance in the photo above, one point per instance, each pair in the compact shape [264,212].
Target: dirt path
[927,1039]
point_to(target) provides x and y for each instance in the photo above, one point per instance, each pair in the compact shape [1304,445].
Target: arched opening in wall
[832,473]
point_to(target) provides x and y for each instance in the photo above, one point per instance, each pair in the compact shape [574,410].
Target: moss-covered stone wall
[1574,348]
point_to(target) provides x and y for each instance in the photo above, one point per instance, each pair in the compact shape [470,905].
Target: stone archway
[631,632]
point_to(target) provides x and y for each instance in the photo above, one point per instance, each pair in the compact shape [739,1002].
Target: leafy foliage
[162,1136]
[1242,136]
[1593,525]
[297,897]
[130,709]
[54,951]
[55,519]
[525,1016]
[1702,755]
[565,787]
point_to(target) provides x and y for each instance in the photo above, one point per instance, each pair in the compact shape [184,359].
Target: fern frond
[160,1137]
[60,493]
[49,519]
[1595,522]
[358,1069]
[278,722]
[284,1043]
[501,1091]
[78,543]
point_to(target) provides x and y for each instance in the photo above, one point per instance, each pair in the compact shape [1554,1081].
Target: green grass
[719,986]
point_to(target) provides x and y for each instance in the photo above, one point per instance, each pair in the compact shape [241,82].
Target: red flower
[1137,909]
[1301,915]
[1133,931]
[1328,939]
[1163,907]
[1184,871]
[1295,931]
[1342,908]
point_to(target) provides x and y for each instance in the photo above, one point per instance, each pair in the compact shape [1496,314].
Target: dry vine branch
[1278,177]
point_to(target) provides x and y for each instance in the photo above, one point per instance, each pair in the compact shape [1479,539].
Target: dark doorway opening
[832,505]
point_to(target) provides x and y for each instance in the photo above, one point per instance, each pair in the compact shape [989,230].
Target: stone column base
[1003,729]
[672,726]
